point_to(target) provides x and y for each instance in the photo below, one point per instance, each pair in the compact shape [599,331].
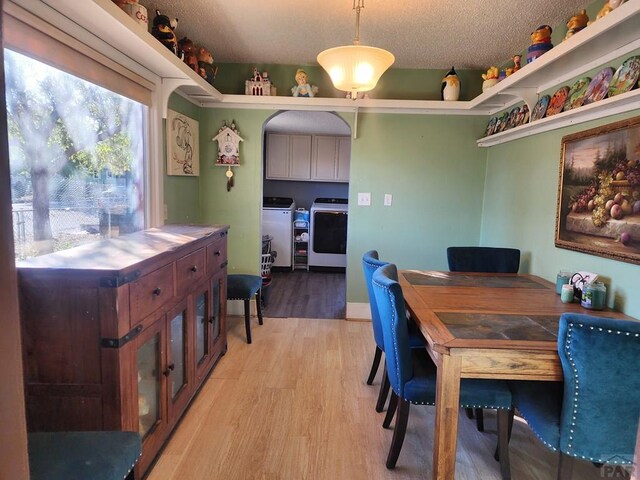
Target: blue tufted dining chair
[412,374]
[370,263]
[594,415]
[483,259]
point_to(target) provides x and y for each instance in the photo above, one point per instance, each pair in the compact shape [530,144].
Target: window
[77,155]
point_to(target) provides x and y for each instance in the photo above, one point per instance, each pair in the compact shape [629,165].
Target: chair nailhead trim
[576,378]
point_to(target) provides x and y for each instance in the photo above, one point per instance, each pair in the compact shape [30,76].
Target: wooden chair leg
[479,419]
[565,467]
[374,366]
[259,306]
[469,412]
[398,432]
[247,320]
[384,391]
[503,443]
[391,410]
[496,455]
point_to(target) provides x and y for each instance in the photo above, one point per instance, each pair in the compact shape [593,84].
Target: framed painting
[598,208]
[182,145]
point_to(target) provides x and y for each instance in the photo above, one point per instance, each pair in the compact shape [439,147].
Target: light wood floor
[295,405]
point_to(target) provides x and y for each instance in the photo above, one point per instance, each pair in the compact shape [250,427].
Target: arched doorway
[305,208]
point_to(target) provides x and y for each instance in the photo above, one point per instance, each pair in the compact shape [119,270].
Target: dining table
[483,325]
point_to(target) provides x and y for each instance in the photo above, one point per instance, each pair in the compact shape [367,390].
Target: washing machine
[277,222]
[328,233]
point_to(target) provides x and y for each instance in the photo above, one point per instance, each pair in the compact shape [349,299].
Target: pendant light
[355,68]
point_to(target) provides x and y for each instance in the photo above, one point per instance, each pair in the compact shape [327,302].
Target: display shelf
[105,20]
[606,39]
[609,106]
[300,247]
[101,22]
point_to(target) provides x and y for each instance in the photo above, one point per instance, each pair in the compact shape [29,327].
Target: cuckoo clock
[228,140]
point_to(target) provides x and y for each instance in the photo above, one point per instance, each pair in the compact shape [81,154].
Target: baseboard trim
[358,311]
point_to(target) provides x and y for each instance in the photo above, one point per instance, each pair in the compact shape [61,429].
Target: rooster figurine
[450,90]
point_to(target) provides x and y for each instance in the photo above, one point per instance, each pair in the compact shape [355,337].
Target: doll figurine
[516,62]
[303,89]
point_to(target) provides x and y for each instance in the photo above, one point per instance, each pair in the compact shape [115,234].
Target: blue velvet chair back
[601,402]
[395,329]
[483,259]
[370,264]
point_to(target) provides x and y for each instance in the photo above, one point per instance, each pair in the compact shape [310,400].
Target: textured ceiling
[420,33]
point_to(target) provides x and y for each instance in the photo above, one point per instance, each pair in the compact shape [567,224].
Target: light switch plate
[364,199]
[388,199]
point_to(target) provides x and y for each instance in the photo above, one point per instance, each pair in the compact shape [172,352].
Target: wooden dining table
[483,325]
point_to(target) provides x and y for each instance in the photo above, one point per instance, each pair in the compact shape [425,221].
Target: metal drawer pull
[217,254]
[157,291]
[169,369]
[194,269]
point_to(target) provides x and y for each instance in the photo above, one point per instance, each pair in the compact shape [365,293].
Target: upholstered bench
[83,455]
[244,287]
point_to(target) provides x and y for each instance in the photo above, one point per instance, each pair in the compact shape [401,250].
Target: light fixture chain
[357,6]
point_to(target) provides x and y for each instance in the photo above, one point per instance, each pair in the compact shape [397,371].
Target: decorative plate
[523,115]
[540,109]
[490,127]
[513,116]
[577,93]
[557,101]
[599,86]
[625,77]
[501,125]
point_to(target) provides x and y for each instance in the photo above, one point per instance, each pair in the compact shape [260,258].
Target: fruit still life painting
[599,192]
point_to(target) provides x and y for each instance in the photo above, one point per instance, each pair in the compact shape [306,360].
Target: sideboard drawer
[189,270]
[217,256]
[150,292]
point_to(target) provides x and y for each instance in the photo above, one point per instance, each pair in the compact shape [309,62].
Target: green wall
[181,193]
[435,172]
[520,197]
[430,164]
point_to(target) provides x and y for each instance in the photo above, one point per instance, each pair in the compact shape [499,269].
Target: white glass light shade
[355,68]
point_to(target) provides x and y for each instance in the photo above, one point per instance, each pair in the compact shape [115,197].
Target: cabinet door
[177,363]
[202,320]
[277,156]
[219,313]
[151,389]
[324,158]
[300,157]
[343,163]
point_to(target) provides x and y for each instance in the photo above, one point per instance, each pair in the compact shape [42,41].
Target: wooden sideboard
[121,333]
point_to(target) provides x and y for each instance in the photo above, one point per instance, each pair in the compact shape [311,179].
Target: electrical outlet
[364,199]
[388,199]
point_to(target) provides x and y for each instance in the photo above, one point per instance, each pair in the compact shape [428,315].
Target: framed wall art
[598,208]
[182,145]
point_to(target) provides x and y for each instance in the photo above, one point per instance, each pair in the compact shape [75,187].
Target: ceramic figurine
[608,7]
[206,68]
[303,89]
[576,23]
[490,78]
[187,51]
[540,42]
[163,30]
[450,90]
[516,62]
[259,84]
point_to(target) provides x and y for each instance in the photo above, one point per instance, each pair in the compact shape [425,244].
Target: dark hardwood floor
[302,294]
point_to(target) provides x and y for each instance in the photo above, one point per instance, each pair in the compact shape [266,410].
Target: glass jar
[562,278]
[566,295]
[593,295]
